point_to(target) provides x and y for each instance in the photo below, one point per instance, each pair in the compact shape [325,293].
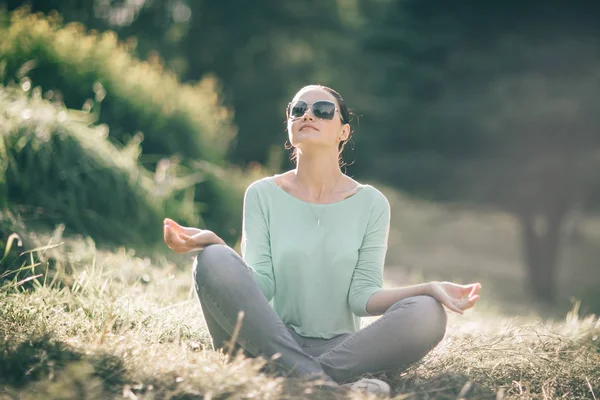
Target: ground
[130,326]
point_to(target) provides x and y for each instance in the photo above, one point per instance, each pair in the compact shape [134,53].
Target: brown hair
[345,113]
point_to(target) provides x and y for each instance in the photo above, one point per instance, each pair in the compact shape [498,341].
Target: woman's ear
[345,133]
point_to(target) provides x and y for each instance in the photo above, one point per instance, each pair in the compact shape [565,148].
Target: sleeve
[368,273]
[255,244]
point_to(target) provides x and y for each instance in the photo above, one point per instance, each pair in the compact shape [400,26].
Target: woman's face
[308,130]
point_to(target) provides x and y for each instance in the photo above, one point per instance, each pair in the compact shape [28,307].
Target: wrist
[429,288]
[217,240]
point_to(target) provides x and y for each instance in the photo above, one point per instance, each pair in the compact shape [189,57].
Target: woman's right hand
[182,239]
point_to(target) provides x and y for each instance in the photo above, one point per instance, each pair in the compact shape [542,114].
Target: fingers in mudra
[173,240]
[466,303]
[471,292]
[457,298]
[472,289]
[189,231]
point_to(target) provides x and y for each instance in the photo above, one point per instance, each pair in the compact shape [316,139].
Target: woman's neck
[317,173]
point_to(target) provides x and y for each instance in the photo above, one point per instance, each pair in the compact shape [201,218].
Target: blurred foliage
[58,170]
[262,52]
[496,104]
[97,73]
[487,97]
[139,104]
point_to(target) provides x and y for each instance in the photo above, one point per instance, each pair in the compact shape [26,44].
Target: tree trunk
[541,242]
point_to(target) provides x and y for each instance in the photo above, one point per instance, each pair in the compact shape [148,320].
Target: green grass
[127,326]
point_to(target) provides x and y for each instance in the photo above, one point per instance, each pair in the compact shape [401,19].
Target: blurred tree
[71,10]
[490,103]
[262,51]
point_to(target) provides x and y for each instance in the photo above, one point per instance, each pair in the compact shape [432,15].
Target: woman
[313,248]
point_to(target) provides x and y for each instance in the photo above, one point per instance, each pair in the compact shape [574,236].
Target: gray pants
[404,334]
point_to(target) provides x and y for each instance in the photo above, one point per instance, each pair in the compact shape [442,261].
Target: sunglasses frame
[309,106]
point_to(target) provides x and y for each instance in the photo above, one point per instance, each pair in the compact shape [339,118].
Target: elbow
[359,301]
[360,311]
[265,284]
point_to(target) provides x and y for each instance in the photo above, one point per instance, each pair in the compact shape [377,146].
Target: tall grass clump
[59,171]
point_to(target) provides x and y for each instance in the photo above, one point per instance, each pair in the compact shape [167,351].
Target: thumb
[468,303]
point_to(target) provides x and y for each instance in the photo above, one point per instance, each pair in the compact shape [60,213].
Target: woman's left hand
[457,298]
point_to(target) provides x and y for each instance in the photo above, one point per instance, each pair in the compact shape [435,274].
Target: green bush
[183,126]
[96,72]
[57,170]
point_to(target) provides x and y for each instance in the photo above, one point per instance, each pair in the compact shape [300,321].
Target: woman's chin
[308,139]
[305,137]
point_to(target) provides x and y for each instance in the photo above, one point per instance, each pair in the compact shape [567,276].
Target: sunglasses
[322,109]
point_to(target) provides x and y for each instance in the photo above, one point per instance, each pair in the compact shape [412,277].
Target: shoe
[369,385]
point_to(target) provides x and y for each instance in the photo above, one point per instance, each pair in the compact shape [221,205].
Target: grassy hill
[131,327]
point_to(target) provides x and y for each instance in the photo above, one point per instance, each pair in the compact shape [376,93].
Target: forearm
[385,298]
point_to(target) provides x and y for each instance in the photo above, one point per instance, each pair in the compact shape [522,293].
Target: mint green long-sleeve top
[317,276]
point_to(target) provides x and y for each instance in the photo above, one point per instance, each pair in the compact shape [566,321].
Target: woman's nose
[308,114]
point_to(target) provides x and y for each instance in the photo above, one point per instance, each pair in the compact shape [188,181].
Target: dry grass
[490,357]
[131,327]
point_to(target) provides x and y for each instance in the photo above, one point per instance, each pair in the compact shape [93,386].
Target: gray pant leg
[225,286]
[219,337]
[404,334]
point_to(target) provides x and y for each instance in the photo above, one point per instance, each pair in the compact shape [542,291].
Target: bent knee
[431,317]
[212,253]
[207,262]
[435,315]
[428,303]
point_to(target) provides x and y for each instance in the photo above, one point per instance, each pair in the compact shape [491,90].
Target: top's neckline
[346,199]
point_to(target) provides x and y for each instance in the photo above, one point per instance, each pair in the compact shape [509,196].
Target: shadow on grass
[24,361]
[440,387]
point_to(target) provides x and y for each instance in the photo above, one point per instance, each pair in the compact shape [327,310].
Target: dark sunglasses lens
[297,109]
[324,109]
